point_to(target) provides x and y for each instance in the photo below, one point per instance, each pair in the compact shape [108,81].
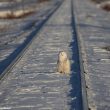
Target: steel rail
[83,83]
[7,65]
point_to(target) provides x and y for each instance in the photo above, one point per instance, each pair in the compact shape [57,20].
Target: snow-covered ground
[93,26]
[14,31]
[34,83]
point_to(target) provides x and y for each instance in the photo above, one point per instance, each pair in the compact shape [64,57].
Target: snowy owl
[63,64]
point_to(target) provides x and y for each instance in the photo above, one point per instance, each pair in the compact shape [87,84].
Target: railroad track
[9,62]
[33,83]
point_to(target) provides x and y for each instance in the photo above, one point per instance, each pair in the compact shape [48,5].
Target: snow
[94,35]
[34,82]
[14,32]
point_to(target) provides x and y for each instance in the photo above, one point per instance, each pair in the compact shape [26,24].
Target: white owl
[63,64]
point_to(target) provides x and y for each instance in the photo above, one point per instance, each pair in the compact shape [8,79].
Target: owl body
[63,64]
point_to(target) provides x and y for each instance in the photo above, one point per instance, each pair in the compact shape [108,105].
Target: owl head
[62,56]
